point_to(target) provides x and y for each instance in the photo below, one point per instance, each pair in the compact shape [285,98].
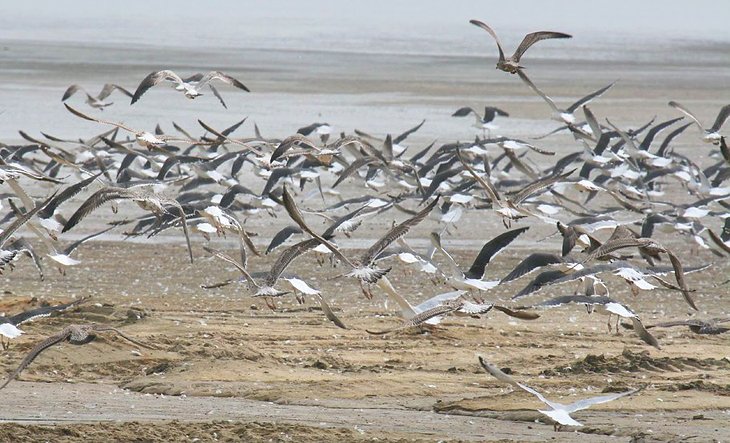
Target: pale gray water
[377,66]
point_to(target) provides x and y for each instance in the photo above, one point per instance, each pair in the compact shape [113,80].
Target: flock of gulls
[607,199]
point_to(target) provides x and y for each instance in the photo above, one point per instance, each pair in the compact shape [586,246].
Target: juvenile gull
[74,334]
[512,63]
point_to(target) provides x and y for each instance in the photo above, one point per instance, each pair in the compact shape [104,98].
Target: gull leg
[609,323]
[270,303]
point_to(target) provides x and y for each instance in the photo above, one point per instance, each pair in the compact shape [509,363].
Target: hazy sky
[298,21]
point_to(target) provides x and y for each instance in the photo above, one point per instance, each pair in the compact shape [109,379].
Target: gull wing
[534,37]
[226,258]
[396,232]
[217,75]
[588,98]
[721,117]
[588,402]
[296,215]
[686,112]
[40,347]
[490,250]
[98,120]
[153,79]
[493,34]
[538,91]
[111,87]
[97,199]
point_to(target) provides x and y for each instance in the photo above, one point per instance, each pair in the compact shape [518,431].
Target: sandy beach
[227,368]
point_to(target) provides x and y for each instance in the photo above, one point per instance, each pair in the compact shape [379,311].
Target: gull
[632,274]
[648,246]
[711,327]
[144,138]
[74,334]
[266,288]
[62,258]
[190,86]
[510,207]
[323,130]
[472,279]
[363,268]
[531,263]
[49,219]
[9,254]
[512,64]
[558,412]
[483,122]
[566,115]
[457,305]
[144,196]
[98,101]
[9,325]
[606,306]
[709,135]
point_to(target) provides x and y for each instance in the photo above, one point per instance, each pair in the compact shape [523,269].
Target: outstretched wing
[492,33]
[396,233]
[421,318]
[686,112]
[226,258]
[296,215]
[73,89]
[97,199]
[534,37]
[538,91]
[588,98]
[491,249]
[721,117]
[98,120]
[588,402]
[22,219]
[109,88]
[102,328]
[463,112]
[40,347]
[217,75]
[153,79]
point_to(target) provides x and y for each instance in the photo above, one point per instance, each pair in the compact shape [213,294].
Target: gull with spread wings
[144,138]
[74,334]
[363,268]
[98,101]
[512,64]
[709,135]
[190,86]
[558,412]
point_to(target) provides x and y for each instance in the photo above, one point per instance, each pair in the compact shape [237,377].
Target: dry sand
[230,368]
